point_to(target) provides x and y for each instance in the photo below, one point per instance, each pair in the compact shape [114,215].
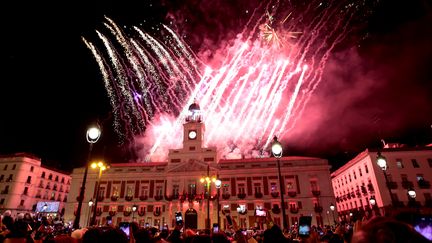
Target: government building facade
[159,189]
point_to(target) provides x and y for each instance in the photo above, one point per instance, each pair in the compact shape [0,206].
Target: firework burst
[257,91]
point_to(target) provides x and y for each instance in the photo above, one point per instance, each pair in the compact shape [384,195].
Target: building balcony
[158,197]
[114,198]
[392,185]
[101,198]
[258,195]
[143,197]
[358,193]
[5,192]
[370,187]
[423,184]
[316,193]
[241,195]
[274,194]
[292,193]
[407,184]
[276,209]
[318,209]
[294,210]
[226,196]
[363,190]
[129,198]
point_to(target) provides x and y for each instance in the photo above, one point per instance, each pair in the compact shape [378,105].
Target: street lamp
[382,163]
[92,136]
[372,201]
[101,167]
[218,184]
[134,209]
[90,203]
[277,152]
[207,180]
[332,208]
[412,193]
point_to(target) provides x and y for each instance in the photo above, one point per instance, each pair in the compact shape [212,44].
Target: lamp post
[332,208]
[134,209]
[92,135]
[218,184]
[382,163]
[411,197]
[207,181]
[101,167]
[277,152]
[90,203]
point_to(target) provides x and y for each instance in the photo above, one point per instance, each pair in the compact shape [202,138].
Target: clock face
[192,134]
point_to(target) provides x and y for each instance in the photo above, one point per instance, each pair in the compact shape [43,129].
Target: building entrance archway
[191,219]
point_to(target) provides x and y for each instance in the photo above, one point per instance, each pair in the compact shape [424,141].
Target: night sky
[379,81]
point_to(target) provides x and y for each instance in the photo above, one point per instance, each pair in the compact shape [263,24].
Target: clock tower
[193,128]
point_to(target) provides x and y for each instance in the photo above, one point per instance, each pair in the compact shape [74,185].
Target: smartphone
[215,228]
[124,226]
[179,218]
[229,220]
[304,226]
[260,213]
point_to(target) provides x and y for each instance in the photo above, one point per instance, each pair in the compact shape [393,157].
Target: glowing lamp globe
[93,134]
[412,193]
[90,203]
[276,148]
[332,207]
[134,208]
[381,161]
[218,183]
[372,201]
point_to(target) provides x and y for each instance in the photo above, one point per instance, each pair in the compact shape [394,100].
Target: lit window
[399,163]
[420,177]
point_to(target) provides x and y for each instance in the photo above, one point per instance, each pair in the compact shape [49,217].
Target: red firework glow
[258,88]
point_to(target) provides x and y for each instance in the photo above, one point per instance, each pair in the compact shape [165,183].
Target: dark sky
[51,88]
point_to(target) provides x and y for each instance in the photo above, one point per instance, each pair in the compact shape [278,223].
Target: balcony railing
[423,184]
[294,209]
[226,196]
[370,187]
[292,193]
[274,194]
[258,195]
[241,195]
[407,184]
[158,197]
[316,193]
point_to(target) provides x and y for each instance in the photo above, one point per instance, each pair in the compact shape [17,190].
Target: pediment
[190,166]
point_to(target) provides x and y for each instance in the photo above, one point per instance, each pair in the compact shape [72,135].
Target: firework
[260,89]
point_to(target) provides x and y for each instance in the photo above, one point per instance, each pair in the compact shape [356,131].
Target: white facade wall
[22,185]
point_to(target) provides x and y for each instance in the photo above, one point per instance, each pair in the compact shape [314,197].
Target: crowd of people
[25,228]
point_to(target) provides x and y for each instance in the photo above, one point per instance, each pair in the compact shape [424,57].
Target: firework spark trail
[259,89]
[124,90]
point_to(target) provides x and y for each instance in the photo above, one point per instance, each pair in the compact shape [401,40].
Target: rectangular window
[14,167]
[22,203]
[360,172]
[241,188]
[25,190]
[28,179]
[32,169]
[144,191]
[399,163]
[5,167]
[404,177]
[9,178]
[176,190]
[1,178]
[2,201]
[192,189]
[366,169]
[257,187]
[415,163]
